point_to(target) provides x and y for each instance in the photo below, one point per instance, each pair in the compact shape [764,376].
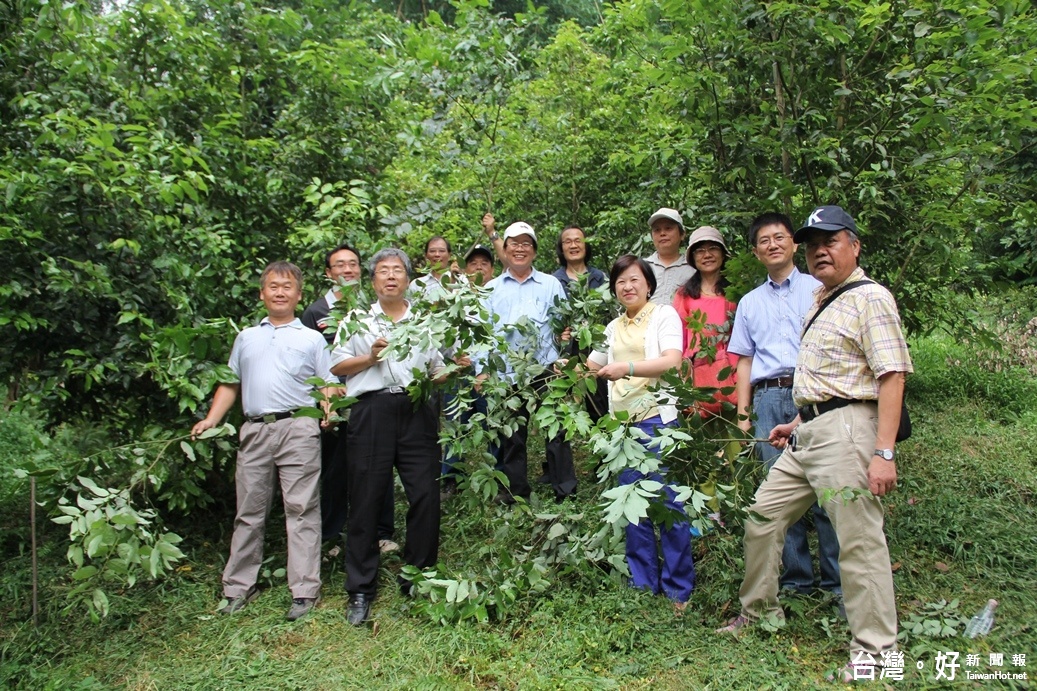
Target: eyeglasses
[520,245]
[708,249]
[346,265]
[574,242]
[391,271]
[779,239]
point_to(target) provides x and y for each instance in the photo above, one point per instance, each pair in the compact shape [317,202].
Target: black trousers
[334,488]
[387,430]
[559,460]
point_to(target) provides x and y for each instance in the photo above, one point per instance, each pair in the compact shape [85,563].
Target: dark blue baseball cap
[827,218]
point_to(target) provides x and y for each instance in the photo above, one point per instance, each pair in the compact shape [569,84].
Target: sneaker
[851,673]
[448,491]
[734,626]
[386,546]
[236,604]
[301,606]
[679,608]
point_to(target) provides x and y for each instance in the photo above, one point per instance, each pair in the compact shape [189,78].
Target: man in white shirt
[387,430]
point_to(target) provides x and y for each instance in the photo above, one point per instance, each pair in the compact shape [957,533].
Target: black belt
[809,412]
[272,417]
[776,383]
[388,391]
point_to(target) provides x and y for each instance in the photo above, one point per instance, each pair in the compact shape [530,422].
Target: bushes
[995,370]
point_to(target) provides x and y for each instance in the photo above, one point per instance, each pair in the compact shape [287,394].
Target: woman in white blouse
[642,344]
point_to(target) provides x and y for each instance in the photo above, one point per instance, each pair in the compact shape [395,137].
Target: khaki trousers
[287,449]
[833,451]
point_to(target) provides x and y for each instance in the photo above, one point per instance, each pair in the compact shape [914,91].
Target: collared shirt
[388,371]
[273,363]
[427,287]
[768,324]
[653,331]
[855,341]
[669,278]
[533,298]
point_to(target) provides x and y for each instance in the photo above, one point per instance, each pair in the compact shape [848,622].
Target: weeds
[962,527]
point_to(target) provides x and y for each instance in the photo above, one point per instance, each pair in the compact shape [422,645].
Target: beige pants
[288,450]
[833,451]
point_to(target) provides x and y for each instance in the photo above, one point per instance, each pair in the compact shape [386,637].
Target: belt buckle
[268,418]
[395,389]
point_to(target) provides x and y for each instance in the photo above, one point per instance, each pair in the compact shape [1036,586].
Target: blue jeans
[676,577]
[773,406]
[450,470]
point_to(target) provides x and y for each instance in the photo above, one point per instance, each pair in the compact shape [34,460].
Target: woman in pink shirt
[702,298]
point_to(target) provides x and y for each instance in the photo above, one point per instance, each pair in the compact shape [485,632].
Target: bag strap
[830,300]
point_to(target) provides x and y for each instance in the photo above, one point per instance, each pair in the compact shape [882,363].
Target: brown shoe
[734,626]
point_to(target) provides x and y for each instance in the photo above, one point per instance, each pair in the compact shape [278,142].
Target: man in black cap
[478,264]
[848,386]
[478,267]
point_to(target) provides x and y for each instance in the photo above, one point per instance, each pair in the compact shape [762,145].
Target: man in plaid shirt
[848,386]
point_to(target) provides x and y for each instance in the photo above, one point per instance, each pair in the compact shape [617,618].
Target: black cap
[478,249]
[828,218]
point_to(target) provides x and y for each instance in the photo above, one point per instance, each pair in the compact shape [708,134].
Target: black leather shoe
[503,499]
[359,610]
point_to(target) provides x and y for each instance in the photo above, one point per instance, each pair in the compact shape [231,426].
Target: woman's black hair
[693,286]
[586,246]
[624,263]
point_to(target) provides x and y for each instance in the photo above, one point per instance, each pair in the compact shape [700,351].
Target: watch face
[885,453]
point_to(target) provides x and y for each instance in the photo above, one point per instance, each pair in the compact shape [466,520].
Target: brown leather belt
[776,383]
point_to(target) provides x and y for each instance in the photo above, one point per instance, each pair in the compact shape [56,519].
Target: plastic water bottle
[981,624]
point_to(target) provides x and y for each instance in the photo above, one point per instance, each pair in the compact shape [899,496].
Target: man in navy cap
[848,386]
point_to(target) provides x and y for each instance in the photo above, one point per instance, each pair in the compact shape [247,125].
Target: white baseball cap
[520,228]
[671,214]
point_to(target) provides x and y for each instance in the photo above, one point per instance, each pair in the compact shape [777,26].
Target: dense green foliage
[154,156]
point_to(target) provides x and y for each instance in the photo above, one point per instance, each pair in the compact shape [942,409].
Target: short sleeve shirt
[854,342]
[273,364]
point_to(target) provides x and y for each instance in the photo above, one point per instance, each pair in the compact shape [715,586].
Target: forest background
[154,156]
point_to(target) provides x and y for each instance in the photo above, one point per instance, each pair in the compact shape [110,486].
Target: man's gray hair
[390,253]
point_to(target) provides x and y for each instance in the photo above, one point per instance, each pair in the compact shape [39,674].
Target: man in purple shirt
[766,333]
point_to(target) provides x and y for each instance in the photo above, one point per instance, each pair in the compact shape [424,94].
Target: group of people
[827,397]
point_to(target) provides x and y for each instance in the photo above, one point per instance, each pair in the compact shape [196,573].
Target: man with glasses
[522,293]
[766,335]
[341,265]
[437,259]
[849,387]
[387,430]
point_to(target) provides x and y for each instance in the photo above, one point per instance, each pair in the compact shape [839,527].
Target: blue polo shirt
[769,323]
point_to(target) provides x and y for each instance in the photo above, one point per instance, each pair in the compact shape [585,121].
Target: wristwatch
[885,454]
[494,237]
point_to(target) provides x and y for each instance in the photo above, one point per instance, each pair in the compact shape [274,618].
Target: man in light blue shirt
[273,362]
[520,294]
[766,334]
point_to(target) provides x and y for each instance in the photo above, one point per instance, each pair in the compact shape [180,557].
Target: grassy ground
[962,527]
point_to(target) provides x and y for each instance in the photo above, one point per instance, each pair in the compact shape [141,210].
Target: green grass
[962,525]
